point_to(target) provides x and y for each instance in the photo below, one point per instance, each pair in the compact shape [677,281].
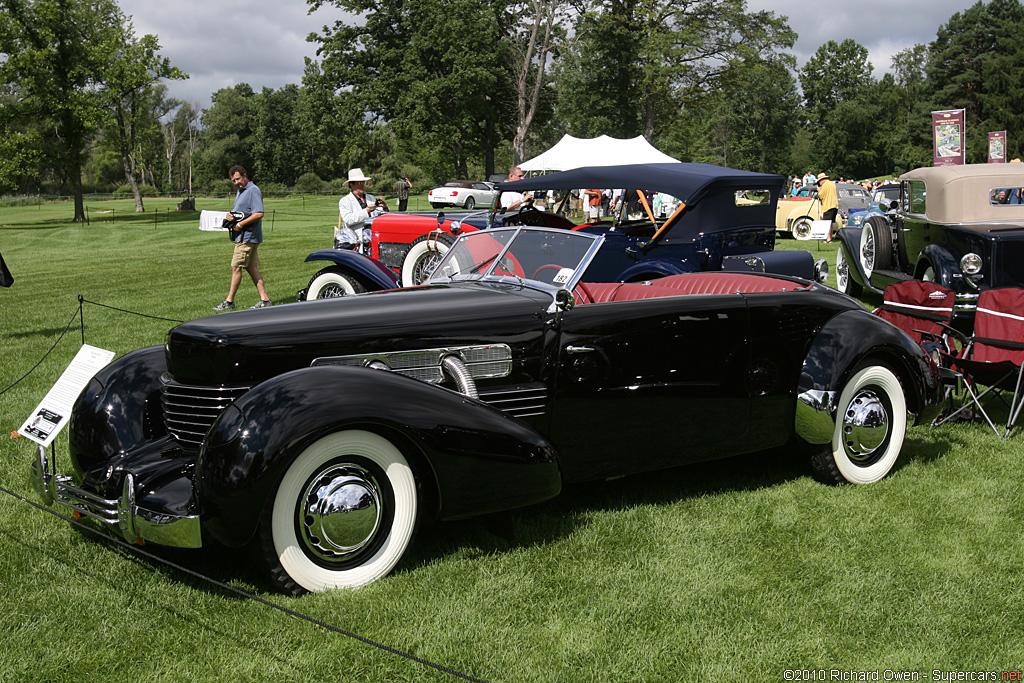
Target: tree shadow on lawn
[537,525]
[562,516]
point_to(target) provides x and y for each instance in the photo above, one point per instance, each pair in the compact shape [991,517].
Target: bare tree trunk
[527,93]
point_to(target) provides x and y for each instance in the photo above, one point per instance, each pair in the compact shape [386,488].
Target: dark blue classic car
[323,434]
[958,226]
[724,220]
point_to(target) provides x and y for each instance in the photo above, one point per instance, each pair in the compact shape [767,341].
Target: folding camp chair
[994,356]
[924,310]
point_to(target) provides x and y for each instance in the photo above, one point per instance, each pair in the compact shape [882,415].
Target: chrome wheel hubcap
[865,425]
[842,270]
[340,512]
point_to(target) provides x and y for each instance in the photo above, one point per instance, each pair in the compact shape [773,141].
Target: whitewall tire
[871,423]
[342,516]
[424,255]
[331,283]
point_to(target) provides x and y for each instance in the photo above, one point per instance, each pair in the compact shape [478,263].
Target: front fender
[119,410]
[472,458]
[849,242]
[842,344]
[367,268]
[945,265]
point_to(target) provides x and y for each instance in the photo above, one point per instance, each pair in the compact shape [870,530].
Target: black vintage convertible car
[322,433]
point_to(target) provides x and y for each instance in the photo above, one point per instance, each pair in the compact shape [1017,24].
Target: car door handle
[578,349]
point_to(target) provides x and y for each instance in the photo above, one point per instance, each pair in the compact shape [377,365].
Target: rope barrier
[45,355]
[245,594]
[386,648]
[80,313]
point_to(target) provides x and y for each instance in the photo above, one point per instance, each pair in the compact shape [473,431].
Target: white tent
[572,153]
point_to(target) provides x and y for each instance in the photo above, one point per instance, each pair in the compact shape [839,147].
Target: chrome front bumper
[816,415]
[134,523]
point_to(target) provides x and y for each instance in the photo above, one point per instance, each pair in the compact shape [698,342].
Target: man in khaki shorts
[249,234]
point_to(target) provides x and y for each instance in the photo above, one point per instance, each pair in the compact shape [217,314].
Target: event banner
[949,136]
[997,147]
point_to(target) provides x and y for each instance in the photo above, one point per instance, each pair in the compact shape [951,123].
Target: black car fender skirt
[468,457]
[846,341]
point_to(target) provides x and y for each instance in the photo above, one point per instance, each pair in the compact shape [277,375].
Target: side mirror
[440,218]
[564,300]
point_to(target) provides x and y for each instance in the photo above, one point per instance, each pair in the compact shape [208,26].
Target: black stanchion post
[273,215]
[81,315]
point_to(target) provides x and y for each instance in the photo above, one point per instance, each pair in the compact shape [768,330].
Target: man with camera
[247,234]
[357,207]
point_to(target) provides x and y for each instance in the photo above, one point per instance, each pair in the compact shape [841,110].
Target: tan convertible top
[962,194]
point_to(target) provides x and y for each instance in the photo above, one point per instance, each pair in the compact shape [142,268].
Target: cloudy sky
[263,42]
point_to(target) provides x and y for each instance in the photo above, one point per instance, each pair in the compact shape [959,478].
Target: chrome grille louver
[517,401]
[189,411]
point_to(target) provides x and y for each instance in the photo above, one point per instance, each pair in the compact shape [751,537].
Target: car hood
[247,347]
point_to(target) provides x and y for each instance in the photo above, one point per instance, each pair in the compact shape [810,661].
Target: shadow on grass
[537,525]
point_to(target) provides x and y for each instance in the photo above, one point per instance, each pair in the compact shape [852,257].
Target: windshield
[551,258]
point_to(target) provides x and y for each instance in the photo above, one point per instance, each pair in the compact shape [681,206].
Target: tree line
[464,88]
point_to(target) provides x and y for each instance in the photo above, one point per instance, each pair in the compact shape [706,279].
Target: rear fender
[364,267]
[469,458]
[651,269]
[842,344]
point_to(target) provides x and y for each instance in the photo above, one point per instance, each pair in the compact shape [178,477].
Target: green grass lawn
[734,570]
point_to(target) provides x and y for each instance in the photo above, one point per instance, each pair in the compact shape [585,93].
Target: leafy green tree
[838,101]
[133,100]
[228,133]
[57,53]
[419,68]
[974,64]
[637,64]
[838,72]
[759,106]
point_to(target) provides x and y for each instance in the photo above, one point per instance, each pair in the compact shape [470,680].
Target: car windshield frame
[476,256]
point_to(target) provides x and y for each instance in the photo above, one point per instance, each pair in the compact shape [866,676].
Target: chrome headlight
[970,264]
[857,218]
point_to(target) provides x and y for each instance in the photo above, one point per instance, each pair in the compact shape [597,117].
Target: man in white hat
[357,207]
[829,197]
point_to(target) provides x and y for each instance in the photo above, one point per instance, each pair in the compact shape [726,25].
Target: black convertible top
[687,182]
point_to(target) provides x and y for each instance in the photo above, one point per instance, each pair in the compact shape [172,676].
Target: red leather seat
[718,282]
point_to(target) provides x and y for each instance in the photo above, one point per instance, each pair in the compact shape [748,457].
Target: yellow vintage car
[794,214]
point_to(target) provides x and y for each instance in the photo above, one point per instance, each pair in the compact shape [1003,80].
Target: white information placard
[53,411]
[819,230]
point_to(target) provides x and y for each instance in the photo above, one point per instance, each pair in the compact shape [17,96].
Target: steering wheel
[546,266]
[527,209]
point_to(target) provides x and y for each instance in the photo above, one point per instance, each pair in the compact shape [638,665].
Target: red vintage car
[724,220]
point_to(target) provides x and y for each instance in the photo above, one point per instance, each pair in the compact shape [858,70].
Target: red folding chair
[994,356]
[924,310]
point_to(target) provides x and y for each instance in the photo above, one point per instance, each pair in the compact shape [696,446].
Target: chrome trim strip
[815,418]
